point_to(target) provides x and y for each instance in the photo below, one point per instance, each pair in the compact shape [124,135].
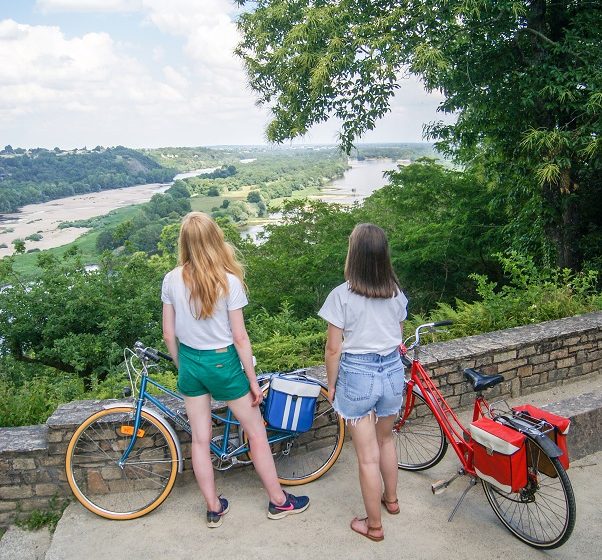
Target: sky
[146,73]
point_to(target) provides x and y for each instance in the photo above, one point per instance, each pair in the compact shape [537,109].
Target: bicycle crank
[441,485]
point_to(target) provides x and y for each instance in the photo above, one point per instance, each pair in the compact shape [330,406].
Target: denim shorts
[367,383]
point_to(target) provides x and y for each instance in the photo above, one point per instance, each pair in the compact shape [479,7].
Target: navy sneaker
[214,518]
[293,504]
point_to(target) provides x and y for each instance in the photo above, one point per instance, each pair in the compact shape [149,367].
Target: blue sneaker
[214,518]
[292,505]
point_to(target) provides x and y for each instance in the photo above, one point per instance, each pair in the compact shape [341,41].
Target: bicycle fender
[549,447]
[161,419]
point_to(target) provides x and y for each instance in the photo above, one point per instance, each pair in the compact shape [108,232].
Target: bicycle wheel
[542,514]
[101,484]
[419,439]
[305,457]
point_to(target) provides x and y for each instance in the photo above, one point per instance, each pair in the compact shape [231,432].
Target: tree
[524,78]
[78,321]
[254,196]
[19,246]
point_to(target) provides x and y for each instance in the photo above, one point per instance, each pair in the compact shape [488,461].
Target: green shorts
[217,372]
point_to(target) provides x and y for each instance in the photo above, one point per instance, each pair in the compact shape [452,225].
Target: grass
[48,517]
[27,264]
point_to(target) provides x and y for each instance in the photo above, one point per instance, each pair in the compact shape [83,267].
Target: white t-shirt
[202,334]
[370,325]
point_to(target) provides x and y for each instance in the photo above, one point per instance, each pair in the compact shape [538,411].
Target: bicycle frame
[455,432]
[230,423]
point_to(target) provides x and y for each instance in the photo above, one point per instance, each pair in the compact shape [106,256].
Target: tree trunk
[562,223]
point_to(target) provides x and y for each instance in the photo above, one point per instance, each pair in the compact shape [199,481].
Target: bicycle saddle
[480,381]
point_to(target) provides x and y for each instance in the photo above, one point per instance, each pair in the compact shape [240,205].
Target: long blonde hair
[206,257]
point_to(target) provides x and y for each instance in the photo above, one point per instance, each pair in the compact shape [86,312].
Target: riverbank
[44,219]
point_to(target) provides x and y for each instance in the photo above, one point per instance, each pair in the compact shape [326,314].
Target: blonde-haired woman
[204,330]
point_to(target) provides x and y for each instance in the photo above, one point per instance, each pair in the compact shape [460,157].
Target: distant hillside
[39,175]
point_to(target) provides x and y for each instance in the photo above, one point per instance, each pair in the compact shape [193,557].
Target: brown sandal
[391,507]
[367,533]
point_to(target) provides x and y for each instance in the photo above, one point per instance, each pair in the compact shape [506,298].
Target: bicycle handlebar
[426,326]
[151,353]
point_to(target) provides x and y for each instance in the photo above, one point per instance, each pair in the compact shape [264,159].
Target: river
[358,182]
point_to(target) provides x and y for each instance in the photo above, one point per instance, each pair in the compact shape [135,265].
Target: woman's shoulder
[233,280]
[174,273]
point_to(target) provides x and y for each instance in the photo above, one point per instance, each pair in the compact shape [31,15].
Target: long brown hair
[368,268]
[206,257]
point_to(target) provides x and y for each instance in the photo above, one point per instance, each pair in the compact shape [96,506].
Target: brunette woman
[365,374]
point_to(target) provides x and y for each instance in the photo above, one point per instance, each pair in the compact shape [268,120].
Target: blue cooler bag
[291,403]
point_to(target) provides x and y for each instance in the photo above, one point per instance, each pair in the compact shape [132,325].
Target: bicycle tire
[419,439]
[305,457]
[546,500]
[97,480]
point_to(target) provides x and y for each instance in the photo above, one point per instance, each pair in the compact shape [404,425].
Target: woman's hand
[256,394]
[331,391]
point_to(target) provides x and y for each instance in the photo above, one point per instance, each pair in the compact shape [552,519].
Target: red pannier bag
[500,455]
[558,435]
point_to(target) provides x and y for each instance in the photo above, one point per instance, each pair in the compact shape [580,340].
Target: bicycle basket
[291,403]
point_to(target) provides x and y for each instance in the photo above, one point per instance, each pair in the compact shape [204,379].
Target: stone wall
[531,358]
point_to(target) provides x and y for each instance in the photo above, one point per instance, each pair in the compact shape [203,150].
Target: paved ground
[177,528]
[422,531]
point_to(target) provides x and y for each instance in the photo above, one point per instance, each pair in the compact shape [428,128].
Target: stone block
[524,371]
[542,358]
[45,489]
[565,363]
[531,381]
[527,351]
[511,365]
[23,463]
[504,356]
[55,436]
[542,367]
[557,374]
[558,354]
[15,492]
[454,378]
[8,506]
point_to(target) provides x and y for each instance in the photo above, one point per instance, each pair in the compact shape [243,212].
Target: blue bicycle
[122,461]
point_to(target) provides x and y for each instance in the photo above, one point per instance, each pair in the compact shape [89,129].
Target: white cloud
[46,6]
[90,89]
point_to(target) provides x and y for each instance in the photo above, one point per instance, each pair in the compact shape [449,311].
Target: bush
[531,295]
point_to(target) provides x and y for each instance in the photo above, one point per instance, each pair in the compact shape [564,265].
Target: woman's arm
[332,356]
[169,331]
[243,347]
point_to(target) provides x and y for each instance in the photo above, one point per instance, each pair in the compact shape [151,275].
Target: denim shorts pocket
[358,384]
[397,382]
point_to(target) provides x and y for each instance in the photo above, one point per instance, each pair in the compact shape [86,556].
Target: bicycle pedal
[439,487]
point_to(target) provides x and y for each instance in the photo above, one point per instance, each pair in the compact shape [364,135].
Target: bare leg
[199,416]
[363,434]
[388,456]
[252,423]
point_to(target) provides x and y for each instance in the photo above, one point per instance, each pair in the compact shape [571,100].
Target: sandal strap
[396,501]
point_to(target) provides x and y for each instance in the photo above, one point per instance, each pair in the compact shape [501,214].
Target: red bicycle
[518,454]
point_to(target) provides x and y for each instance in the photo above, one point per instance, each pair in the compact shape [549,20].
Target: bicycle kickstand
[472,482]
